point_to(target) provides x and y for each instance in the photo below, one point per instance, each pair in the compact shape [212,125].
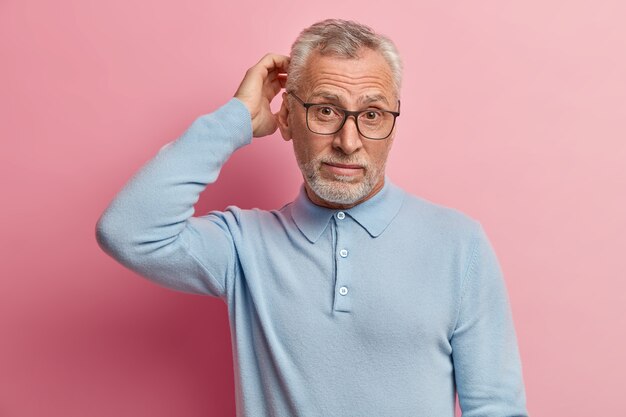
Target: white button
[343,253]
[341,215]
[343,290]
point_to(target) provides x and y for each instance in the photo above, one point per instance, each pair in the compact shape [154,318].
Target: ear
[283,119]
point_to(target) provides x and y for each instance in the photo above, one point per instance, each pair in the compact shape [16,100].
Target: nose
[348,139]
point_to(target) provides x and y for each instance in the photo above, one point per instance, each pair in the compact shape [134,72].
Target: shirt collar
[374,214]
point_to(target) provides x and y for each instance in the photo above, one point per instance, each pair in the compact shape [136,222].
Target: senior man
[356,299]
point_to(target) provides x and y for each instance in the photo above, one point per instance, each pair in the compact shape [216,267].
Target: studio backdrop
[512,112]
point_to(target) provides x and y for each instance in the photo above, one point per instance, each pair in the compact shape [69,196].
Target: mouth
[343,169]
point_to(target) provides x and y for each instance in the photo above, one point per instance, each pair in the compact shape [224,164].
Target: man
[356,299]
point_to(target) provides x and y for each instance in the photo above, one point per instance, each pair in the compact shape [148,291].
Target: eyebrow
[325,96]
[364,99]
[374,98]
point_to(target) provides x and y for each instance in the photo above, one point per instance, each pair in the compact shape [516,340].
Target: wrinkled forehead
[363,76]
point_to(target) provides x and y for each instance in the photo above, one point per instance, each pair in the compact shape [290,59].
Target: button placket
[343,296]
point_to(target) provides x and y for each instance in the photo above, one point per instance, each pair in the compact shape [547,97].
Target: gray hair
[342,38]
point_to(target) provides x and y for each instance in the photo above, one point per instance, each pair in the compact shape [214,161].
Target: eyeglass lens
[324,119]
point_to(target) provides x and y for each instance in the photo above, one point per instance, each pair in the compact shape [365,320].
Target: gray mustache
[343,160]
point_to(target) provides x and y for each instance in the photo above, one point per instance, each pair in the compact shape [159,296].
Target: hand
[260,85]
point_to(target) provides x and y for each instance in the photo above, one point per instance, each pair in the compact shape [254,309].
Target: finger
[278,80]
[273,85]
[282,79]
[273,62]
[267,70]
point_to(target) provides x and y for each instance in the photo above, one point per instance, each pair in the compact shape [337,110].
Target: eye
[326,111]
[372,115]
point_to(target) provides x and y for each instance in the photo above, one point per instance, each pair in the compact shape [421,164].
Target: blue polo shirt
[384,309]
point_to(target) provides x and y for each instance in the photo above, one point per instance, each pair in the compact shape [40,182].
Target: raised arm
[149,226]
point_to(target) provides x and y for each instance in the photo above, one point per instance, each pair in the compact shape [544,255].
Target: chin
[345,179]
[340,190]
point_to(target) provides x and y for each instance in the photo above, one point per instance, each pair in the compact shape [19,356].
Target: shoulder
[439,219]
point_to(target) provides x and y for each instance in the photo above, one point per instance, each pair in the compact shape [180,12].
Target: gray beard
[342,189]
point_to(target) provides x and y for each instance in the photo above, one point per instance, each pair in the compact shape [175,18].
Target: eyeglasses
[328,119]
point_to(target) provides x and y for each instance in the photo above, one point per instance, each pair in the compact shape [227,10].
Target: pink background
[513,112]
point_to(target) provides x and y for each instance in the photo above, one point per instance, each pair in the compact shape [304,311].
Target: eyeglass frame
[346,114]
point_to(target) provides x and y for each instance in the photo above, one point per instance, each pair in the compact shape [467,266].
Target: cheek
[306,147]
[298,139]
[379,153]
[299,151]
[302,148]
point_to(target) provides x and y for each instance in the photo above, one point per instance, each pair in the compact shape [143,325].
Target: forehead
[366,78]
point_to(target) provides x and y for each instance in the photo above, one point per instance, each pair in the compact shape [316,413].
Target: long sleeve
[487,365]
[149,226]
